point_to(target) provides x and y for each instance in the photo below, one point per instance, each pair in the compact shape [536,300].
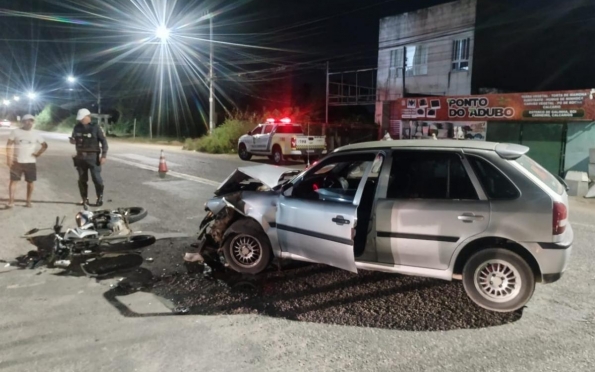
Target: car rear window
[289,129]
[541,173]
[494,182]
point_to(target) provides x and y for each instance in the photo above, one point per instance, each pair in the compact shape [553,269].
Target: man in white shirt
[27,146]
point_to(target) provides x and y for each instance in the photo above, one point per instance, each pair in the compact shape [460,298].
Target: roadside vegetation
[224,139]
[55,119]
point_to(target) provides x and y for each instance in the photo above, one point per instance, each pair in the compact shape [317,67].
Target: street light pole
[99,97]
[211,88]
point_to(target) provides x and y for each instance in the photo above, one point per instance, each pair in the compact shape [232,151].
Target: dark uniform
[88,153]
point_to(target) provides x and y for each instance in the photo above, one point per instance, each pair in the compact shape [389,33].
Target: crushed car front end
[244,205]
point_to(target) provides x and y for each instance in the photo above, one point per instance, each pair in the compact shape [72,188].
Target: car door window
[429,175]
[257,130]
[335,180]
[495,184]
[268,129]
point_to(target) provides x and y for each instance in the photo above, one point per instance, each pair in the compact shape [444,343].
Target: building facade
[428,52]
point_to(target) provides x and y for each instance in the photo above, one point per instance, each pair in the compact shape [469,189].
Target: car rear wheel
[498,280]
[243,152]
[247,249]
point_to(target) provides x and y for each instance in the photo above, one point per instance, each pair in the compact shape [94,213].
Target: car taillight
[293,143]
[560,218]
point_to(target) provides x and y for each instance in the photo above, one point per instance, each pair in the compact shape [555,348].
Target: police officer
[89,155]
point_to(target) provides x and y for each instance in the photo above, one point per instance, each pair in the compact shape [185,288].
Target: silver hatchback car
[481,212]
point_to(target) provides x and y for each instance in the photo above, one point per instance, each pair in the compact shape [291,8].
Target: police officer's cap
[80,115]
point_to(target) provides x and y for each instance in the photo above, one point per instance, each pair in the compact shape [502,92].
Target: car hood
[268,175]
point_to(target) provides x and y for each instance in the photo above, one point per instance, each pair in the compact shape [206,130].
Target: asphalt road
[168,316]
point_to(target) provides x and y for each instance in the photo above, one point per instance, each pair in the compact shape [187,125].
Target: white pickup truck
[281,140]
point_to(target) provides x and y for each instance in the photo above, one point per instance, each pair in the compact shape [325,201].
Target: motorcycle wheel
[135,214]
[134,242]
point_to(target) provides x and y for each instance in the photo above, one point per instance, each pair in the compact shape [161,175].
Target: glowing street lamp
[71,79]
[162,33]
[6,102]
[16,98]
[32,95]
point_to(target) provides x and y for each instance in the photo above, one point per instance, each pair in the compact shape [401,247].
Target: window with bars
[460,54]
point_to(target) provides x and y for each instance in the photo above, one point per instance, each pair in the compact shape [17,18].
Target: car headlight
[215,205]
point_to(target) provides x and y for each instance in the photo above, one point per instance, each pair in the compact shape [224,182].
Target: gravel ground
[304,293]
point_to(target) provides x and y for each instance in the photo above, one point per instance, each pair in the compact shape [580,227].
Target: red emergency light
[286,120]
[270,120]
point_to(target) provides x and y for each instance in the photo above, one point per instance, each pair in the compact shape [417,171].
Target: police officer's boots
[83,191]
[99,196]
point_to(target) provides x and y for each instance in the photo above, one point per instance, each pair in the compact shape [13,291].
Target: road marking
[147,160]
[16,286]
[171,173]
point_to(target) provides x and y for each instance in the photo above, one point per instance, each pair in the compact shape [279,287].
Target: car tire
[277,155]
[246,248]
[243,152]
[498,279]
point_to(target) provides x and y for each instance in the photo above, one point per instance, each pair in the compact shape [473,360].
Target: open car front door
[317,216]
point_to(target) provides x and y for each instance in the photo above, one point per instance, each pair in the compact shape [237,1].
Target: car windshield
[541,173]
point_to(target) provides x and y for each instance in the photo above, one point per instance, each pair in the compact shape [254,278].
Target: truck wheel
[243,152]
[498,280]
[277,155]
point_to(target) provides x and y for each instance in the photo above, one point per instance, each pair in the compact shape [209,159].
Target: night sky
[288,42]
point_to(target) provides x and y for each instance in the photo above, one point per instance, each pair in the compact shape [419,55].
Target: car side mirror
[287,192]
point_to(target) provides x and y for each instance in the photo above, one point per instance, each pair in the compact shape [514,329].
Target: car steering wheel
[332,181]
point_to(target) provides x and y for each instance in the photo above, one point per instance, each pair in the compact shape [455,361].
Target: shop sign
[542,106]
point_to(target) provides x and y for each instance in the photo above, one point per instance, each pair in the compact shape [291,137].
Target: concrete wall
[435,27]
[580,138]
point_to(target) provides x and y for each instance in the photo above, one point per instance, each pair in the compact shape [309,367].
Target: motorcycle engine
[116,224]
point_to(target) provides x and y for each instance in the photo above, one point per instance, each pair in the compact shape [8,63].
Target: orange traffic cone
[162,165]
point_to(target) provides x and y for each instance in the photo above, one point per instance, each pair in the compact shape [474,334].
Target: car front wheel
[498,280]
[247,249]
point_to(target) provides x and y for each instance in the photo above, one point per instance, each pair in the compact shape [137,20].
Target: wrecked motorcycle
[92,239]
[107,222]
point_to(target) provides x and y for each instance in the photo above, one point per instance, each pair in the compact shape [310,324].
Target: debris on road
[193,257]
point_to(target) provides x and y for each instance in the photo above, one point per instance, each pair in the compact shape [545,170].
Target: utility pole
[211,93]
[99,97]
[327,99]
[404,69]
